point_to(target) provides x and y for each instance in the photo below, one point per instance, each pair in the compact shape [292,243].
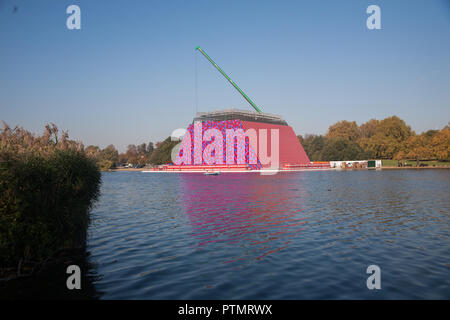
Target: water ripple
[287,236]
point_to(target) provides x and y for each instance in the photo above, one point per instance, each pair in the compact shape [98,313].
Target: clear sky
[128,76]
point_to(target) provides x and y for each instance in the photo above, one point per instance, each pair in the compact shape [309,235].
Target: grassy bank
[413,163]
[47,188]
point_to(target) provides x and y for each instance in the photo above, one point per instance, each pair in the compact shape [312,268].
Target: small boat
[211,173]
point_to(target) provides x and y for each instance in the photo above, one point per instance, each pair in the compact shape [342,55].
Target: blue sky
[128,76]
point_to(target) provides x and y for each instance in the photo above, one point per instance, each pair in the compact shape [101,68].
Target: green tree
[110,154]
[341,149]
[150,148]
[313,145]
[105,165]
[162,154]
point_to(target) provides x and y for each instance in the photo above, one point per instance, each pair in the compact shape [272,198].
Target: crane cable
[196,84]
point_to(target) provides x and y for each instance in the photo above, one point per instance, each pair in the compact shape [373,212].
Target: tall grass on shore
[47,188]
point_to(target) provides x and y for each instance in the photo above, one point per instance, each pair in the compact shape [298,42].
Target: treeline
[136,155]
[47,187]
[390,138]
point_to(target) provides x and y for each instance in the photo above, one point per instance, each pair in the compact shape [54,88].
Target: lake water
[297,235]
[302,235]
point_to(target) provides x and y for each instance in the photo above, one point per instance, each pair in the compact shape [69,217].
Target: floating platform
[240,141]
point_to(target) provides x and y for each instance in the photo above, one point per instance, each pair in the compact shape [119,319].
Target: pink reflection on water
[253,214]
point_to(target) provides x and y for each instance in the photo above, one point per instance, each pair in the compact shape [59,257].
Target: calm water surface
[304,235]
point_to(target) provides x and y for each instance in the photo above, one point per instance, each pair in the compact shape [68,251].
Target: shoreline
[383,168]
[416,168]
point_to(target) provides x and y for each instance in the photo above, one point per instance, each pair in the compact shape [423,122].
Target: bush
[44,203]
[340,149]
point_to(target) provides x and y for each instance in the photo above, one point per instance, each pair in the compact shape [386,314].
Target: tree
[368,129]
[430,145]
[162,154]
[150,148]
[440,144]
[394,127]
[137,155]
[313,145]
[132,154]
[343,129]
[431,133]
[142,149]
[123,158]
[388,139]
[105,165]
[341,149]
[142,154]
[110,154]
[417,147]
[447,127]
[92,152]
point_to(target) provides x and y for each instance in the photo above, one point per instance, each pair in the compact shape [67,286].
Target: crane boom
[229,80]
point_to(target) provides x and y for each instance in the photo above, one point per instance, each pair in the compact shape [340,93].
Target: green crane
[229,80]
